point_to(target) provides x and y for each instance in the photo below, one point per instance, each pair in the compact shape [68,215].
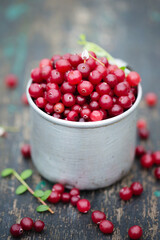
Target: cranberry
[151,99]
[141,123]
[135,232]
[84,69]
[94,105]
[74,200]
[57,115]
[26,223]
[115,110]
[147,160]
[43,86]
[105,102]
[119,73]
[102,60]
[53,96]
[46,72]
[45,62]
[68,99]
[106,226]
[111,80]
[75,60]
[85,113]
[56,76]
[156,157]
[132,97]
[133,90]
[72,116]
[76,108]
[104,113]
[93,54]
[54,197]
[66,56]
[59,108]
[112,68]
[38,226]
[16,230]
[74,192]
[121,89]
[136,188]
[95,96]
[35,90]
[83,205]
[36,75]
[65,198]
[56,57]
[74,77]
[41,102]
[140,150]
[63,65]
[103,88]
[115,99]
[143,133]
[98,216]
[49,108]
[157,172]
[58,187]
[102,70]
[95,77]
[81,120]
[125,193]
[91,62]
[125,102]
[24,99]
[67,88]
[133,79]
[52,86]
[85,88]
[26,150]
[96,115]
[80,100]
[11,81]
[86,105]
[66,111]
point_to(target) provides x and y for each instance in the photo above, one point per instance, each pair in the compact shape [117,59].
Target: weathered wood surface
[31,30]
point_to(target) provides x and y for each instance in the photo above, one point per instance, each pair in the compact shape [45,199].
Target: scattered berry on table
[157,172]
[106,226]
[156,157]
[26,150]
[74,200]
[11,81]
[65,197]
[83,205]
[58,187]
[26,223]
[143,133]
[147,160]
[16,230]
[24,99]
[74,192]
[54,197]
[98,216]
[136,188]
[125,193]
[140,150]
[141,123]
[38,226]
[151,99]
[135,232]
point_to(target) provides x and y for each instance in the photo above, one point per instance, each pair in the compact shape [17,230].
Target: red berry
[68,99]
[35,90]
[26,150]
[58,187]
[102,60]
[85,113]
[66,111]
[96,116]
[125,193]
[53,96]
[36,75]
[105,102]
[104,113]
[81,120]
[74,200]
[115,110]
[133,79]
[143,133]
[63,65]
[52,86]
[83,205]
[156,157]
[112,68]
[95,96]
[111,79]
[24,99]
[102,70]
[103,88]
[26,223]
[38,226]
[76,108]
[106,226]
[98,216]
[157,172]
[59,108]
[119,73]
[84,69]
[49,108]
[94,105]
[72,116]
[54,197]
[91,62]
[135,232]
[41,102]
[56,76]
[16,230]
[125,102]
[57,115]
[141,123]
[151,99]
[121,89]
[56,57]
[140,150]
[46,72]
[74,77]
[74,192]
[66,56]
[65,198]
[132,97]
[75,60]
[136,188]
[45,62]
[80,100]
[93,54]
[95,77]
[147,160]
[85,88]
[67,88]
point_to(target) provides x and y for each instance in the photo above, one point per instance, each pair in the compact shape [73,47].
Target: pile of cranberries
[26,224]
[73,89]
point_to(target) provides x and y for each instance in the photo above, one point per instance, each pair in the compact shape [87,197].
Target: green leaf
[46,195]
[42,208]
[157,193]
[26,174]
[6,172]
[82,37]
[123,68]
[21,189]
[38,193]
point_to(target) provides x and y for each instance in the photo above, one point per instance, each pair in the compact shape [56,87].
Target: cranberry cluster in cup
[70,88]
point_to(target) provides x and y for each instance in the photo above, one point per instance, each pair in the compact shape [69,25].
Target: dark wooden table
[31,30]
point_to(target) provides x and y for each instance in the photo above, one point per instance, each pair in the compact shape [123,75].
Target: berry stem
[29,189]
[96,60]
